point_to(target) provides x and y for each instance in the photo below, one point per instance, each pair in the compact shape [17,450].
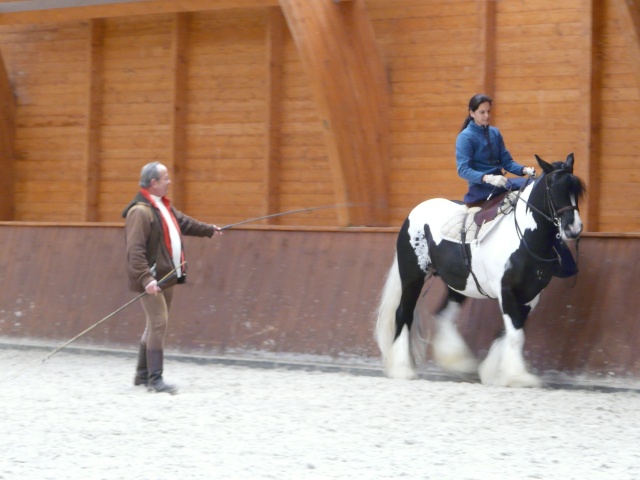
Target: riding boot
[142,373]
[155,359]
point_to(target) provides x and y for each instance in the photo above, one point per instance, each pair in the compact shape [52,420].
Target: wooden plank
[45,11]
[93,120]
[7,151]
[276,32]
[588,169]
[354,102]
[178,118]
[629,15]
[487,43]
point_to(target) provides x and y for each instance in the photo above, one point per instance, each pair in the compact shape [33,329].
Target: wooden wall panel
[522,79]
[559,87]
[305,175]
[620,117]
[46,66]
[226,114]
[137,76]
[431,56]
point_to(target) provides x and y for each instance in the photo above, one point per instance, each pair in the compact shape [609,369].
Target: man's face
[160,187]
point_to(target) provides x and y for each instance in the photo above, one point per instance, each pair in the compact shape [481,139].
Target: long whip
[301,210]
[165,278]
[85,331]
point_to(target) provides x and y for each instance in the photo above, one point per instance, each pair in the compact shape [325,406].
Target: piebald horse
[511,259]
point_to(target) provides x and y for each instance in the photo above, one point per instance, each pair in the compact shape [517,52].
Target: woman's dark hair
[474,103]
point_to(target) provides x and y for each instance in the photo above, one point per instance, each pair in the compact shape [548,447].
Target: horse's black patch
[449,259]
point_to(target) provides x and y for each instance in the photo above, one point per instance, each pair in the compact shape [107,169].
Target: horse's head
[563,191]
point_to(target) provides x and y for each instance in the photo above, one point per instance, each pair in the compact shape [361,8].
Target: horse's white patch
[418,241]
[437,210]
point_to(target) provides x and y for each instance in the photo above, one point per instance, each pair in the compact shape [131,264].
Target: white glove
[495,180]
[530,171]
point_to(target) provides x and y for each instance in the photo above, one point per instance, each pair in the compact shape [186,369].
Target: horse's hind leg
[397,332]
[505,365]
[406,350]
[450,351]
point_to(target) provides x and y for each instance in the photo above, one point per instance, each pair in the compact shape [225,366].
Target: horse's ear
[546,167]
[570,162]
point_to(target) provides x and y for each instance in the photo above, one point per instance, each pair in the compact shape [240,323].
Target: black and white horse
[511,259]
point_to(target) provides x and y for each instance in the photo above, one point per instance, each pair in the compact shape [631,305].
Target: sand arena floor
[78,416]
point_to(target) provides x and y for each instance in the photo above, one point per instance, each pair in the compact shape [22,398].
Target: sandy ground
[78,416]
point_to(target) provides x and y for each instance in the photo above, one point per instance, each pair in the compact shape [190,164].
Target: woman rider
[481,155]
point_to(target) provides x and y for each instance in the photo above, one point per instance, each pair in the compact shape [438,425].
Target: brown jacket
[145,246]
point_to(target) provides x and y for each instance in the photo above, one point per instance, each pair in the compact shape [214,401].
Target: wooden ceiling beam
[353,97]
[46,11]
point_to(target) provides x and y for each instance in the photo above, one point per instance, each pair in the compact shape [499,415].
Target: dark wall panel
[302,292]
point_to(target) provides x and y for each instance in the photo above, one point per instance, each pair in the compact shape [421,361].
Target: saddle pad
[464,216]
[452,229]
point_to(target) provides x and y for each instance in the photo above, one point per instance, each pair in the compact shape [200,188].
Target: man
[155,263]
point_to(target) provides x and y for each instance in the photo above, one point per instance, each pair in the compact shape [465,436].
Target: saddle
[472,222]
[488,208]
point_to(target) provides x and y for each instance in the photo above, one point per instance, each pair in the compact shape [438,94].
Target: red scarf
[165,226]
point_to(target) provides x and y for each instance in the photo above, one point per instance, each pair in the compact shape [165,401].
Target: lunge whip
[301,210]
[84,332]
[165,278]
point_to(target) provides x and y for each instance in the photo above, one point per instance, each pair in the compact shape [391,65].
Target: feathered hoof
[523,380]
[401,372]
[527,380]
[464,365]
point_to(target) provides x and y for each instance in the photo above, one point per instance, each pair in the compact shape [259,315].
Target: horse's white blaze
[449,348]
[504,365]
[572,230]
[399,362]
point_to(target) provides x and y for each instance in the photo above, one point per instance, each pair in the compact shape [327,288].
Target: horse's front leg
[450,351]
[505,365]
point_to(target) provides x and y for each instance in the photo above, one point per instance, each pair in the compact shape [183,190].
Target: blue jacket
[480,151]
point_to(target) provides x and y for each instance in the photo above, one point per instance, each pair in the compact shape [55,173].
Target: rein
[554,219]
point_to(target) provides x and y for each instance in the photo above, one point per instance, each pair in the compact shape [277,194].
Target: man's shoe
[159,386]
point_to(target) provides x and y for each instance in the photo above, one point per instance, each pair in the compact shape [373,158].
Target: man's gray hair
[149,172]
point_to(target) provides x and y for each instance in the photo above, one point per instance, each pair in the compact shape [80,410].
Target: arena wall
[279,291]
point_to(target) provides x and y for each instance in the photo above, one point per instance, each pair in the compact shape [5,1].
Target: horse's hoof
[526,380]
[460,365]
[402,373]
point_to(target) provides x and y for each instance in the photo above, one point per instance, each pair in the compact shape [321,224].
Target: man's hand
[495,180]
[216,230]
[152,288]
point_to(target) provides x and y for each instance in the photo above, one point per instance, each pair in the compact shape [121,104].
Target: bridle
[553,218]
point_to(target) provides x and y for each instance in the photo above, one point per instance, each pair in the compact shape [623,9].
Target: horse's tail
[400,354]
[386,315]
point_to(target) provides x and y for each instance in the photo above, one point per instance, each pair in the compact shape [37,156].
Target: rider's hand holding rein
[495,180]
[529,171]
